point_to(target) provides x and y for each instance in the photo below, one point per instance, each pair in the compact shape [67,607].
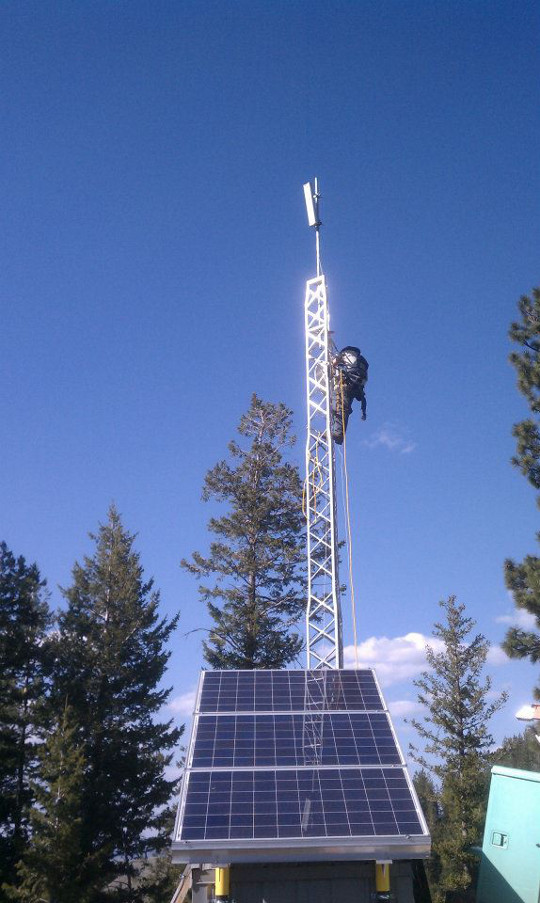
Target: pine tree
[257,559]
[520,751]
[53,867]
[110,660]
[24,621]
[456,739]
[523,578]
[161,879]
[429,797]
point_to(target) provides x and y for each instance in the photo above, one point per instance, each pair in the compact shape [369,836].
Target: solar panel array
[257,741]
[293,754]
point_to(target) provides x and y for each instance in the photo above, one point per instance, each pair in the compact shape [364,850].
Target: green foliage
[520,751]
[24,621]
[526,333]
[429,797]
[456,740]
[110,657]
[161,879]
[54,867]
[523,578]
[257,559]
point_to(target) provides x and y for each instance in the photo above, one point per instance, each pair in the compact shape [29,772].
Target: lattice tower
[323,621]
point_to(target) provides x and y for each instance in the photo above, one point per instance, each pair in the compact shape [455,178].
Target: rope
[349,534]
[317,471]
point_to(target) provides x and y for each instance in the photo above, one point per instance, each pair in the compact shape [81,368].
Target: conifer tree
[523,578]
[161,879]
[53,867]
[429,797]
[110,660]
[456,739]
[519,751]
[257,559]
[24,621]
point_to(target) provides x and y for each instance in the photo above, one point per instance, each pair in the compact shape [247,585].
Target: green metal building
[510,865]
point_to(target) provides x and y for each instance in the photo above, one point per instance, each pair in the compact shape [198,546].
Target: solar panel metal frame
[295,848]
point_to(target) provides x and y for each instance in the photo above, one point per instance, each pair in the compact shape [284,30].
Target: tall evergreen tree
[523,578]
[257,559]
[161,879]
[429,796]
[456,740]
[110,659]
[24,621]
[519,751]
[54,867]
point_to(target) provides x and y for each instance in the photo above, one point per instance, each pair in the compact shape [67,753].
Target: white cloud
[518,618]
[389,437]
[172,772]
[183,704]
[396,658]
[497,656]
[404,708]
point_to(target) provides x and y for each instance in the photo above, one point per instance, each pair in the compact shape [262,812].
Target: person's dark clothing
[350,374]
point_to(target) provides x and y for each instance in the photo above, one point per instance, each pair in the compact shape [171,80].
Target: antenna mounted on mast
[311,195]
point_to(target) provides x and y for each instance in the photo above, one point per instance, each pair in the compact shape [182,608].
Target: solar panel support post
[382,882]
[223,881]
[323,616]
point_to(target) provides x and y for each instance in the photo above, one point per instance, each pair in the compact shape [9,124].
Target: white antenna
[323,616]
[311,195]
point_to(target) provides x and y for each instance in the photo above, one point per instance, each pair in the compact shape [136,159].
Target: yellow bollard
[382,880]
[223,880]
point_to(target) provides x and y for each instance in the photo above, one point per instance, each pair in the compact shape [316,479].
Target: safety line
[349,534]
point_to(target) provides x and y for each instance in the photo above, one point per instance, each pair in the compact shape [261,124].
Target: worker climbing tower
[323,617]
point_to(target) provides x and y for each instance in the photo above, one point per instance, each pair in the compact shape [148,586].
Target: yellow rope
[349,534]
[317,470]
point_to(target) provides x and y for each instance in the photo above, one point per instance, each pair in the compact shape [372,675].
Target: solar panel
[295,765]
[282,691]
[257,741]
[299,803]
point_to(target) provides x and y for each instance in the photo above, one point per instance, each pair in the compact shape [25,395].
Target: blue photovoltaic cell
[342,738]
[293,754]
[298,803]
[285,691]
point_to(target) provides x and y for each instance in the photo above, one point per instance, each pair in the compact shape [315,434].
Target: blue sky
[155,251]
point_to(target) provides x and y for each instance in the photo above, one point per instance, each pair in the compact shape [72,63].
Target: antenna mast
[323,617]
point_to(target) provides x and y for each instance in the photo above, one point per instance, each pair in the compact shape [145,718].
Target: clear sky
[155,250]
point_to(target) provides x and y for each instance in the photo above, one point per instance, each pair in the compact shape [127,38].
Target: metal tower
[323,619]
